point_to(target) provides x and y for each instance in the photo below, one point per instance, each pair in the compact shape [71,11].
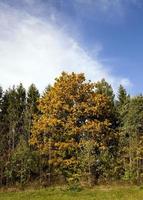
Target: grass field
[97,193]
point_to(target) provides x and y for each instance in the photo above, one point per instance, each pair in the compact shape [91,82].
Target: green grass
[97,193]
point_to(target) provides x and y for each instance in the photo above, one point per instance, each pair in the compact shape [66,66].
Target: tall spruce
[2,140]
[103,87]
[122,96]
[31,109]
[133,140]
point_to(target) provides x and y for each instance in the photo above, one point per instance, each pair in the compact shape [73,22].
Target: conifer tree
[102,87]
[31,109]
[122,96]
[133,139]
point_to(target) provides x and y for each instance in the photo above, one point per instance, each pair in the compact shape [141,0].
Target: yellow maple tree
[71,113]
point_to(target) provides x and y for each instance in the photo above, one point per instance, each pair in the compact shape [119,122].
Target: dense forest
[77,131]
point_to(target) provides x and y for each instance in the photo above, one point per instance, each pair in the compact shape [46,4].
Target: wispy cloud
[108,10]
[107,4]
[33,50]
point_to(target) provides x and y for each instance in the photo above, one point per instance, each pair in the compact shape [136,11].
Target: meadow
[96,193]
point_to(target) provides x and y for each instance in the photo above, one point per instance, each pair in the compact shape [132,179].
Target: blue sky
[102,38]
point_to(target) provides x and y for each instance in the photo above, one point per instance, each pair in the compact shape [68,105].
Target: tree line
[75,132]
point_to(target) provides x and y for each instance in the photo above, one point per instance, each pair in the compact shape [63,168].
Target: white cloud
[125,82]
[35,51]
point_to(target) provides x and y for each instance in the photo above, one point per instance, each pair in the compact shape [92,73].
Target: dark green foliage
[122,96]
[22,163]
[13,124]
[30,109]
[132,140]
[102,87]
[32,97]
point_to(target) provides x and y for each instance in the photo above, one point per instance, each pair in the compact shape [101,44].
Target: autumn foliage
[76,132]
[71,113]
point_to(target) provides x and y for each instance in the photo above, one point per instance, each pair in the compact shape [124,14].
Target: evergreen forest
[75,132]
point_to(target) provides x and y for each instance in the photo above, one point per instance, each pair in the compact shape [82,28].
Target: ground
[97,193]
